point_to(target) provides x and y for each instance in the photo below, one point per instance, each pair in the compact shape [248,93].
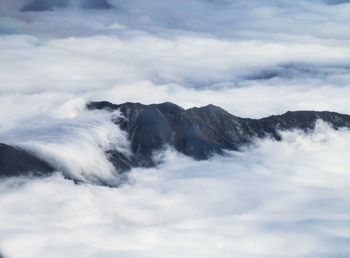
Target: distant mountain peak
[51,5]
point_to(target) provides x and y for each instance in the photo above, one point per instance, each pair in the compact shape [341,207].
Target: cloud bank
[253,58]
[273,55]
[268,201]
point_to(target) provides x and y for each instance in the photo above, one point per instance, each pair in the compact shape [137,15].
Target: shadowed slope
[17,162]
[44,5]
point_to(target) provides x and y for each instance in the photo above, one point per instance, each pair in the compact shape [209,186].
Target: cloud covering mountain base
[277,199]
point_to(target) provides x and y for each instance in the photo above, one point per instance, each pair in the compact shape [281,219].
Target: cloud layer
[273,55]
[268,201]
[254,58]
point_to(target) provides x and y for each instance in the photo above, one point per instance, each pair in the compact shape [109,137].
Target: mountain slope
[196,132]
[202,132]
[18,162]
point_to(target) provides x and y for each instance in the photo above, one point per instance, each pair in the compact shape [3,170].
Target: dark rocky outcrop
[201,132]
[44,5]
[95,4]
[17,162]
[50,5]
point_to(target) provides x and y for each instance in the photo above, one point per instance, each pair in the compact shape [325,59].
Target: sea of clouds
[277,199]
[253,58]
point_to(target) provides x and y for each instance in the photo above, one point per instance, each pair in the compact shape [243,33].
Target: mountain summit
[201,132]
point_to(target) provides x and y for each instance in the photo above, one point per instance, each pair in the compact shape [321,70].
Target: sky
[253,58]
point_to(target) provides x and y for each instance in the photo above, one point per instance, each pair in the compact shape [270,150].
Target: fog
[253,58]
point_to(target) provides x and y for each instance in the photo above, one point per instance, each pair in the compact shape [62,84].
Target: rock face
[17,162]
[195,132]
[200,132]
[50,5]
[95,4]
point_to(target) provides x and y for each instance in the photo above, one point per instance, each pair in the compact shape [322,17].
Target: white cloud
[254,58]
[266,201]
[188,70]
[62,132]
[93,62]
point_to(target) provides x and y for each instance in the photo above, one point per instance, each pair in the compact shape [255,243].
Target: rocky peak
[204,131]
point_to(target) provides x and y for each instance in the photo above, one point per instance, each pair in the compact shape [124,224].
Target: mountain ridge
[204,131]
[198,132]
